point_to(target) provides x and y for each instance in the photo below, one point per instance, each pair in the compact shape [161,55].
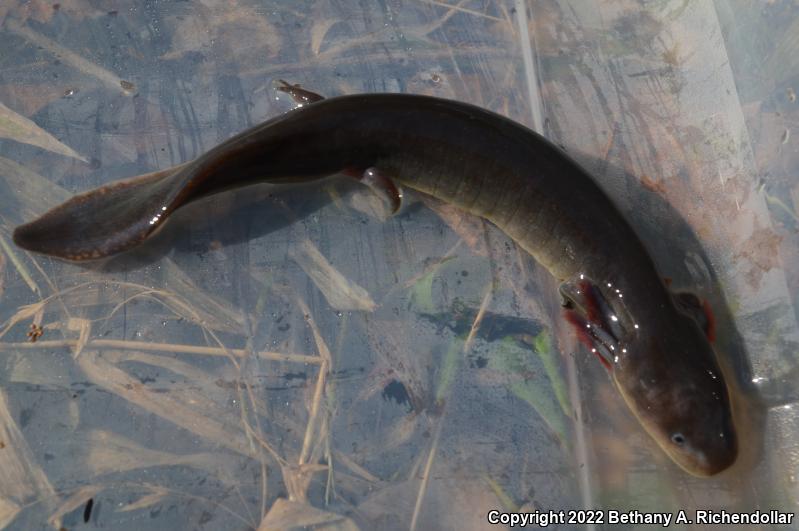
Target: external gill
[597,326]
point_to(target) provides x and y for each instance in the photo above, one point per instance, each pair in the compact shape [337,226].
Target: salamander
[655,343]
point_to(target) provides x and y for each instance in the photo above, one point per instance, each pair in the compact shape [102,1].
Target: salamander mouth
[694,463]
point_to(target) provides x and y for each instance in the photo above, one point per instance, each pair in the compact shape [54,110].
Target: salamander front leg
[300,95]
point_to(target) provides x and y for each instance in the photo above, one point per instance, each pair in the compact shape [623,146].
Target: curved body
[487,165]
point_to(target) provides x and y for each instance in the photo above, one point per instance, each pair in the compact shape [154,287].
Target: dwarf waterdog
[651,340]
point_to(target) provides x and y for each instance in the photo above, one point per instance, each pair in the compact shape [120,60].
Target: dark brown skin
[660,359]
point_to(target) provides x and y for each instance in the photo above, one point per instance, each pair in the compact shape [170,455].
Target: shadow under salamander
[226,219]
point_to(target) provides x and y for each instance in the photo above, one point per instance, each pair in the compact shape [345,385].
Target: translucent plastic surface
[289,357]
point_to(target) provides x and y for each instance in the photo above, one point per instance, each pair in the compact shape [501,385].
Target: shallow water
[409,372]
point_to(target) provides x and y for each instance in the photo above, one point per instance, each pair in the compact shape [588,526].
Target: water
[202,380]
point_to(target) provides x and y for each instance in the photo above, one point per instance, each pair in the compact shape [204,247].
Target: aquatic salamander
[651,340]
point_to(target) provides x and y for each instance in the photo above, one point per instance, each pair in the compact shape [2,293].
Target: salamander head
[681,399]
[665,369]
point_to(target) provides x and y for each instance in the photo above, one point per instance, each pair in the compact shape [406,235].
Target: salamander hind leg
[381,185]
[699,310]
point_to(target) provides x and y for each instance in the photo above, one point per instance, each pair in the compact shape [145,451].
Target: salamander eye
[678,439]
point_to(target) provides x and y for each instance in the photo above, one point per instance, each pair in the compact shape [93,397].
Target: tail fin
[106,220]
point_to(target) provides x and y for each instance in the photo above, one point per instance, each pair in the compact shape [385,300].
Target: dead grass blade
[8,511]
[187,370]
[69,57]
[145,501]
[21,268]
[28,194]
[84,328]
[354,467]
[28,311]
[21,480]
[319,31]
[460,8]
[341,293]
[426,474]
[314,413]
[121,344]
[20,129]
[225,26]
[432,267]
[199,308]
[324,353]
[197,420]
[2,274]
[297,479]
[158,490]
[80,497]
[111,453]
[489,292]
[209,310]
[203,400]
[286,515]
[37,369]
[321,345]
